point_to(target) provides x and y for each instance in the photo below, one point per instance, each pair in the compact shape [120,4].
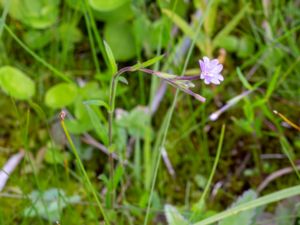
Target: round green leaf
[75,4]
[104,5]
[117,13]
[74,34]
[228,42]
[37,39]
[121,40]
[15,83]
[61,95]
[37,14]
[123,13]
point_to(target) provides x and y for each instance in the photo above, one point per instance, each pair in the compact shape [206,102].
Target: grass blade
[273,83]
[87,179]
[184,26]
[231,25]
[274,197]
[243,79]
[201,202]
[36,57]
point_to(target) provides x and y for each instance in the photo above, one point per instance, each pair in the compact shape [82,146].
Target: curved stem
[112,97]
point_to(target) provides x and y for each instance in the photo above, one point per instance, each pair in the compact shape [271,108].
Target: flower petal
[202,66]
[206,60]
[220,77]
[214,62]
[206,81]
[215,81]
[217,69]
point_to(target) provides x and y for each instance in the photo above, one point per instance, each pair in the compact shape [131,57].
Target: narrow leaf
[243,79]
[231,25]
[147,63]
[184,26]
[174,217]
[245,217]
[273,83]
[97,102]
[123,80]
[98,125]
[111,58]
[274,197]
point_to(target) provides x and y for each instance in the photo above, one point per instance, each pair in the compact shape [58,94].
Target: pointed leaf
[231,25]
[99,127]
[245,217]
[184,26]
[147,63]
[123,80]
[174,217]
[97,102]
[243,79]
[111,58]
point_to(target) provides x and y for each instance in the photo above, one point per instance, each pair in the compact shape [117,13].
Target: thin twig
[276,175]
[167,162]
[88,139]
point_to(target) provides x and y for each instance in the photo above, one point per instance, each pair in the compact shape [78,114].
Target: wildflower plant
[210,73]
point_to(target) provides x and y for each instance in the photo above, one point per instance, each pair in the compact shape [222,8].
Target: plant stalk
[112,98]
[88,181]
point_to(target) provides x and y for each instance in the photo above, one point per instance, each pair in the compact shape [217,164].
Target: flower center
[207,74]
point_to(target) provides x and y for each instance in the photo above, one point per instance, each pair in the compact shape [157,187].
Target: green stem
[112,98]
[169,117]
[36,57]
[89,184]
[90,35]
[201,202]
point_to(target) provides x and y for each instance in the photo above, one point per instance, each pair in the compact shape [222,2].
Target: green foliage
[49,204]
[229,42]
[136,122]
[123,48]
[164,144]
[148,63]
[250,205]
[245,47]
[55,156]
[103,5]
[98,125]
[61,95]
[16,84]
[36,14]
[74,35]
[111,58]
[37,39]
[173,216]
[245,217]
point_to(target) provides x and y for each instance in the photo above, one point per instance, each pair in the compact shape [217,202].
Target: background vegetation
[173,160]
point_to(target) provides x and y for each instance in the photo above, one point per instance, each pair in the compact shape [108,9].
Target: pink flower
[211,71]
